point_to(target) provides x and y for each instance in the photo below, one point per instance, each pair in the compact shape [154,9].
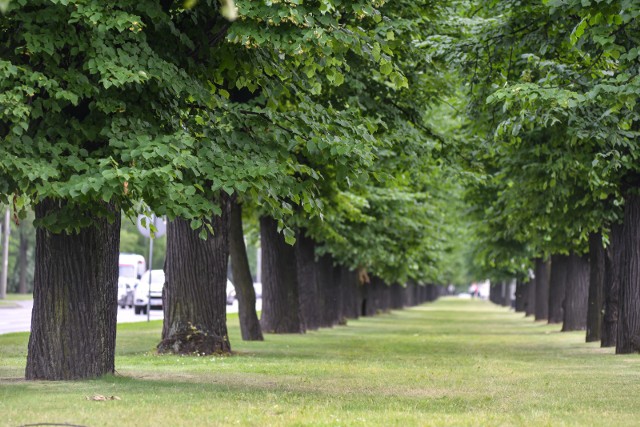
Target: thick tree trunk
[612,265]
[73,322]
[194,295]
[349,288]
[543,269]
[249,324]
[628,340]
[23,254]
[307,269]
[557,287]
[280,300]
[329,306]
[530,308]
[595,301]
[577,293]
[521,292]
[397,296]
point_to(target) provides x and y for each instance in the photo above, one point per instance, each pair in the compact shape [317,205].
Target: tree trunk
[557,287]
[249,324]
[506,294]
[397,296]
[595,301]
[4,274]
[577,293]
[530,308]
[349,288]
[23,260]
[543,269]
[73,322]
[280,303]
[612,267]
[307,269]
[194,295]
[521,291]
[628,340]
[329,292]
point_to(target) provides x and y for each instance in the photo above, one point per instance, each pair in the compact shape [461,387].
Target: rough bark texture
[194,296]
[596,288]
[530,307]
[307,270]
[521,291]
[557,287]
[280,302]
[613,256]
[543,269]
[242,281]
[628,340]
[577,293]
[23,254]
[73,322]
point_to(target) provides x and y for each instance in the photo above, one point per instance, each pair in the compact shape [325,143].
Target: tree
[242,281]
[93,97]
[194,295]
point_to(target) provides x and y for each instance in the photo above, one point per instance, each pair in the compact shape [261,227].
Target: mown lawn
[454,362]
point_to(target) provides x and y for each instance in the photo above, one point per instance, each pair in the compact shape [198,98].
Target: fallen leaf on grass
[99,397]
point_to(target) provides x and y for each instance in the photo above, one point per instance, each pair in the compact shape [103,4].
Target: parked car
[130,267]
[231,292]
[143,291]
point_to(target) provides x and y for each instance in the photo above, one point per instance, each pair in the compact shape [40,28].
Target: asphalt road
[17,318]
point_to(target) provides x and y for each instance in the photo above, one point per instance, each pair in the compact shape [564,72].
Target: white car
[231,292]
[142,292]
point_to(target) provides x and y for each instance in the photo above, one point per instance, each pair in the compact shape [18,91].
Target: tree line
[387,143]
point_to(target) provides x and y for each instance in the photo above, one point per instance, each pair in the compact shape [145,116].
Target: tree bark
[307,269]
[329,292]
[628,340]
[521,292]
[280,303]
[397,296]
[73,322]
[577,292]
[557,287]
[543,269]
[613,255]
[595,301]
[194,295]
[349,287]
[530,307]
[249,324]
[23,260]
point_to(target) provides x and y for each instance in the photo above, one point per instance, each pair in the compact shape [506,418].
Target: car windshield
[127,271]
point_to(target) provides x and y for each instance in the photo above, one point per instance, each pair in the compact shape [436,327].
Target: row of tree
[554,155]
[308,117]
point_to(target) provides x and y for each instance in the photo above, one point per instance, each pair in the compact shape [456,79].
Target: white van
[131,267]
[143,291]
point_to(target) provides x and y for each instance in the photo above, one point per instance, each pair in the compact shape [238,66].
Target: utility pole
[5,254]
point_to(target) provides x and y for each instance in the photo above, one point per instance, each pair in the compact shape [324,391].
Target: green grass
[455,362]
[8,301]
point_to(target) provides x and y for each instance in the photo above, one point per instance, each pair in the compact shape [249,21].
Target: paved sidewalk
[17,318]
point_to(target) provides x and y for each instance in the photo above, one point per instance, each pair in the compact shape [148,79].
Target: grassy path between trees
[454,362]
